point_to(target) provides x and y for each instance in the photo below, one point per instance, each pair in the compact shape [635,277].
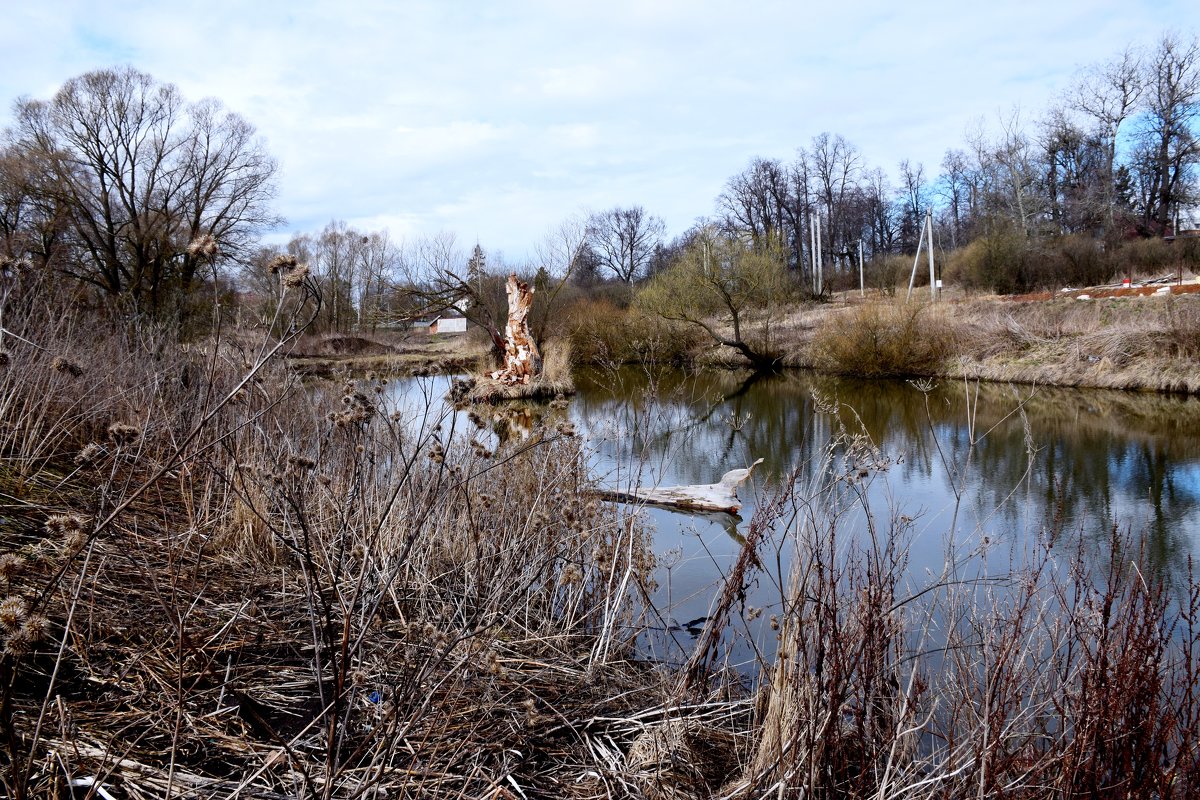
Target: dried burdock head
[295,276]
[90,454]
[11,565]
[13,612]
[301,463]
[203,246]
[64,525]
[75,542]
[11,268]
[35,628]
[123,434]
[16,645]
[67,366]
[282,263]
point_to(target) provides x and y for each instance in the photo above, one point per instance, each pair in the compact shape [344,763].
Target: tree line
[110,181]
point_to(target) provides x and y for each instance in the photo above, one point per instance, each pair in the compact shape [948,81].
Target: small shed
[448,325]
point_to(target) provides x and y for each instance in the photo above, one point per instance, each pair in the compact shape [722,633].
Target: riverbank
[386,354]
[1137,339]
[1141,342]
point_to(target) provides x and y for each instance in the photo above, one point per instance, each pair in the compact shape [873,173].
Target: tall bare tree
[1170,145]
[835,166]
[1108,95]
[138,174]
[624,240]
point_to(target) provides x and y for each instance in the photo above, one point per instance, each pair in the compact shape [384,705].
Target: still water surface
[966,464]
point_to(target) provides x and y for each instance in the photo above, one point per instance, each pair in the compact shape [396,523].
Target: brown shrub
[603,333]
[884,339]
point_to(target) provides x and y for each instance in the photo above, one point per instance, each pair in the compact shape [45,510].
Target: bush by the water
[884,339]
[604,333]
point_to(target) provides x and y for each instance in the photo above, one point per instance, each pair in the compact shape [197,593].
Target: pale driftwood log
[720,496]
[522,361]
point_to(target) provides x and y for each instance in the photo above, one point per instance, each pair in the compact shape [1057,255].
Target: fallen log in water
[720,496]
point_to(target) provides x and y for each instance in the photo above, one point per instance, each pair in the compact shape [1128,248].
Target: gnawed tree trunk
[720,496]
[522,361]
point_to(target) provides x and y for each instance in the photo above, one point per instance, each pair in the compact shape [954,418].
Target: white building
[448,325]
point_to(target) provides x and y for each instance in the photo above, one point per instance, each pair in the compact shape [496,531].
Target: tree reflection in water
[1021,456]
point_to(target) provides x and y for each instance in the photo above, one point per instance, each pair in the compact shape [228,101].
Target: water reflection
[969,463]
[1019,457]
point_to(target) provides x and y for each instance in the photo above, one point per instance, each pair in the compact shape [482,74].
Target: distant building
[448,325]
[1187,224]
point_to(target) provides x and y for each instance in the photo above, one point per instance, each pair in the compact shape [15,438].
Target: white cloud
[498,120]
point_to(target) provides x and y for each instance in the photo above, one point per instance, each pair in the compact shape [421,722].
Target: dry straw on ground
[219,582]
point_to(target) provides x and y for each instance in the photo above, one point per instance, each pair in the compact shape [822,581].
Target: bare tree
[954,188]
[1169,147]
[139,174]
[1017,174]
[913,201]
[378,262]
[758,202]
[835,165]
[624,240]
[1108,94]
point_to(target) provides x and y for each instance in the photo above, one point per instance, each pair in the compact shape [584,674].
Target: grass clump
[884,339]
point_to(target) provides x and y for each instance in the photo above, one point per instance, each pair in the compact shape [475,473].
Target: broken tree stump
[720,496]
[522,361]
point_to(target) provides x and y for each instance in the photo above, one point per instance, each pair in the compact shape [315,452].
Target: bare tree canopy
[624,239]
[134,173]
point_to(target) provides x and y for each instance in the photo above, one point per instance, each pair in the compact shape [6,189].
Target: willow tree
[734,292]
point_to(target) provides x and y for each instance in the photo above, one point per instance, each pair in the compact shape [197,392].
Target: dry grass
[1127,343]
[217,583]
[884,339]
[392,354]
[256,589]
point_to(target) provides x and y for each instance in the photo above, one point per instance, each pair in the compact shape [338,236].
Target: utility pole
[926,232]
[862,286]
[820,260]
[932,280]
[812,250]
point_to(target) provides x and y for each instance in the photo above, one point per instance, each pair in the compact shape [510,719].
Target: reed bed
[219,582]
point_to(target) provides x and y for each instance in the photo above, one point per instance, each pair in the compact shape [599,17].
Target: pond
[978,468]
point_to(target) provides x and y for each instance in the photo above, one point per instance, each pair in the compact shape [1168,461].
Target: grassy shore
[1144,342]
[385,353]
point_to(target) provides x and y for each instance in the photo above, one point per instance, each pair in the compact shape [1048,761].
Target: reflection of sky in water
[1094,459]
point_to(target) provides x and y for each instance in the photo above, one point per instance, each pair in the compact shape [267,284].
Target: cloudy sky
[497,120]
